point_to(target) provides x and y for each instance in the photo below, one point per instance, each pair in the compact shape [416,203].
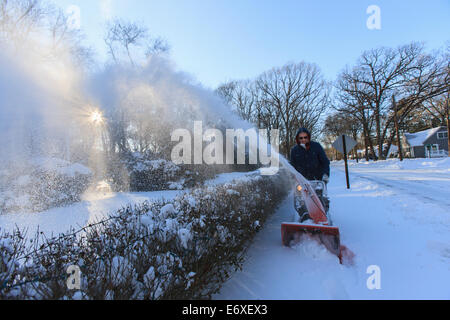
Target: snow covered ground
[94,207]
[396,216]
[427,179]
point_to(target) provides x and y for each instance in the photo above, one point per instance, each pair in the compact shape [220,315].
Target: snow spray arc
[256,149]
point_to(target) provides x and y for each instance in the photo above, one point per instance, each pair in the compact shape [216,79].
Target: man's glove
[325,178]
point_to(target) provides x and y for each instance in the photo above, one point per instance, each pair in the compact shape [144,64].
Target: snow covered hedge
[140,172]
[42,184]
[152,175]
[143,172]
[184,249]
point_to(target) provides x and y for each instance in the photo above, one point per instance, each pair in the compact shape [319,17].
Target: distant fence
[437,153]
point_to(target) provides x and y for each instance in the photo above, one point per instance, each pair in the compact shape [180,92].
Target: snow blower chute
[313,219]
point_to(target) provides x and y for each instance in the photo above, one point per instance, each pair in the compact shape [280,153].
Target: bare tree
[285,98]
[64,37]
[406,72]
[298,94]
[436,107]
[241,95]
[351,101]
[124,35]
[19,18]
[338,124]
[22,20]
[156,46]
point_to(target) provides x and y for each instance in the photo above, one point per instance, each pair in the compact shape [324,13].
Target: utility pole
[448,124]
[397,131]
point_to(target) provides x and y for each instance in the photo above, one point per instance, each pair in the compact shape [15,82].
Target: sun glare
[96,117]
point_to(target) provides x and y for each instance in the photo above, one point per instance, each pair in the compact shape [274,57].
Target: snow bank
[406,164]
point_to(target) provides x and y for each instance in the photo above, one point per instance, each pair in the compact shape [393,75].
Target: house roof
[418,139]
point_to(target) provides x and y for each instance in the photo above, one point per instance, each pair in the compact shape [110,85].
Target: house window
[442,135]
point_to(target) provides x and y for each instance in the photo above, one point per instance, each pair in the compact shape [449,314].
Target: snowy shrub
[11,247]
[42,184]
[141,172]
[182,249]
[150,175]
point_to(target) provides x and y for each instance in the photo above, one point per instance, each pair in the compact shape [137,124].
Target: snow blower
[311,203]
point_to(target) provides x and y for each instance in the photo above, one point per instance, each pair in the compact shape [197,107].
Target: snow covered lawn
[396,216]
[93,208]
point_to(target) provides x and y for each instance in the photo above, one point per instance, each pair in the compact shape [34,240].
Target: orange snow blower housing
[318,225]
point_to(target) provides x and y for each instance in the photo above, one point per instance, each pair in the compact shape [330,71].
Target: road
[431,185]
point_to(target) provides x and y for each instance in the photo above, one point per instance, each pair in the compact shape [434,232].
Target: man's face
[303,138]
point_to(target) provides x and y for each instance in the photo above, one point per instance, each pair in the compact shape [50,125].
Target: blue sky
[221,40]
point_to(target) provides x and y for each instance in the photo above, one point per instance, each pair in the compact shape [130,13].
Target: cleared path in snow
[272,271]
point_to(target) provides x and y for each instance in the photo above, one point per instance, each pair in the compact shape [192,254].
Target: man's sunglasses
[302,138]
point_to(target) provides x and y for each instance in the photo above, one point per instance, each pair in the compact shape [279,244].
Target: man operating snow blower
[309,158]
[310,198]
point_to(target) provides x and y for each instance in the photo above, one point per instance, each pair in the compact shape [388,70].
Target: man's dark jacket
[312,163]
